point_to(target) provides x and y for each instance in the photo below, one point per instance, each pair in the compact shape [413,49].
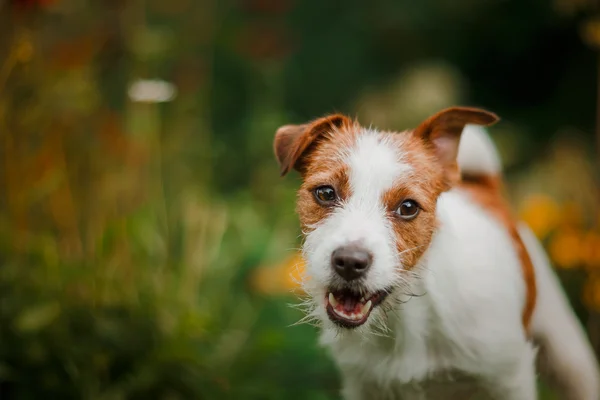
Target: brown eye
[325,195]
[408,209]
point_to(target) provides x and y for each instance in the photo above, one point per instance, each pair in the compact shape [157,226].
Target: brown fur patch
[293,142]
[423,184]
[487,192]
[317,151]
[442,131]
[323,166]
[309,211]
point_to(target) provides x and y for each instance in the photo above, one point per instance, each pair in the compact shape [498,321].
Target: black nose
[351,262]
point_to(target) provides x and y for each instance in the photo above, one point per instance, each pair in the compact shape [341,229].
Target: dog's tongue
[350,304]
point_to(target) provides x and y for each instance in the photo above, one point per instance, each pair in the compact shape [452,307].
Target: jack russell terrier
[424,285]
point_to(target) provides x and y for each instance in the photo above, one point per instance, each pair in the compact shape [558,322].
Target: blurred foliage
[146,240]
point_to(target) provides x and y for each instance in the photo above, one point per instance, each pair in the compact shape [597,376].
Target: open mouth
[350,309]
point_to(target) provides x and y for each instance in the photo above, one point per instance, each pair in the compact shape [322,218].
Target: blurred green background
[146,238]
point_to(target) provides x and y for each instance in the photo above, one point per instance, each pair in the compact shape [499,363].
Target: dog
[423,284]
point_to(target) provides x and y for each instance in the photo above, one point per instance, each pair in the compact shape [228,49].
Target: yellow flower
[571,214]
[565,248]
[294,272]
[590,250]
[281,278]
[591,293]
[24,50]
[541,213]
[590,32]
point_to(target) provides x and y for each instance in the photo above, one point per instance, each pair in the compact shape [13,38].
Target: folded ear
[292,142]
[442,132]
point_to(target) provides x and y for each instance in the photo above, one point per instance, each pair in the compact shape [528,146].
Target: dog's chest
[382,375]
[415,366]
[447,386]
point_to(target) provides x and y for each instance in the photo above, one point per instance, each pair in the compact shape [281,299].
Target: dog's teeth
[367,307]
[332,300]
[362,299]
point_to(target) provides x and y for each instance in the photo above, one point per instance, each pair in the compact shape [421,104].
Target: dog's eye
[325,195]
[408,209]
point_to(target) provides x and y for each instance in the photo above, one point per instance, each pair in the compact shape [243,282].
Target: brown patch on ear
[442,133]
[292,141]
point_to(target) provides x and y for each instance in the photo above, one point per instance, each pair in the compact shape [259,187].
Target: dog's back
[566,357]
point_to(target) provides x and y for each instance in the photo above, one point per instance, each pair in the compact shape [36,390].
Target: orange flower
[281,278]
[591,293]
[294,272]
[541,213]
[571,214]
[590,250]
[24,50]
[590,32]
[565,248]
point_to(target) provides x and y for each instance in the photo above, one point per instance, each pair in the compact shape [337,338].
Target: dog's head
[367,204]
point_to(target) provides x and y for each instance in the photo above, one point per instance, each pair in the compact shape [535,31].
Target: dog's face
[367,205]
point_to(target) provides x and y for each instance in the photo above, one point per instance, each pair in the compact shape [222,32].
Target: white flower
[152,91]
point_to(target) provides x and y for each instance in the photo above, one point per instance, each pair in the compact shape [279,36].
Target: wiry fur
[453,323]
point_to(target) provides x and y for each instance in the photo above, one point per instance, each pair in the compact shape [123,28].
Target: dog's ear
[292,142]
[442,131]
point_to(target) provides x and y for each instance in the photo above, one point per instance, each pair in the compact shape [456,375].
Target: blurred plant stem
[593,324]
[597,158]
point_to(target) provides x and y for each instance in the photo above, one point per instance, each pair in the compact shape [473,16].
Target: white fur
[458,312]
[477,153]
[468,320]
[374,166]
[566,350]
